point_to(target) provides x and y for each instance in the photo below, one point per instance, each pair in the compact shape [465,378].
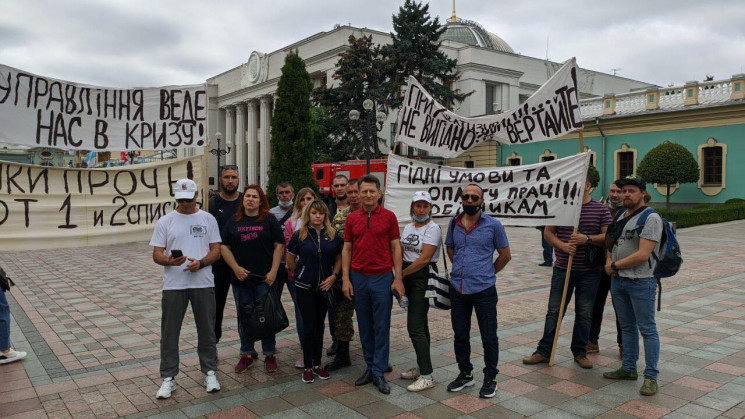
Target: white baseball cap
[422,196]
[185,189]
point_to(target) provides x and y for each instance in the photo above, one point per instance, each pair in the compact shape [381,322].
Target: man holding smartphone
[186,242]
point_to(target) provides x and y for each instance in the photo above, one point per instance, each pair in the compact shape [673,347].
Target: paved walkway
[90,319]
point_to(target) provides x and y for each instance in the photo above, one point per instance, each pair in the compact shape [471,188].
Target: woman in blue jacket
[314,253]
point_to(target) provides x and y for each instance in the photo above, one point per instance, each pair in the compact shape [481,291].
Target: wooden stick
[566,278]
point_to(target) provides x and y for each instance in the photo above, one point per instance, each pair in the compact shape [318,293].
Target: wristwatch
[613,266]
[589,240]
[201,264]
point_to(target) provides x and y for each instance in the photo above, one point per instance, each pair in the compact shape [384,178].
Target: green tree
[593,176]
[668,164]
[359,77]
[415,51]
[292,141]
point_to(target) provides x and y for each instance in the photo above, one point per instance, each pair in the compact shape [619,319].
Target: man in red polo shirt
[371,264]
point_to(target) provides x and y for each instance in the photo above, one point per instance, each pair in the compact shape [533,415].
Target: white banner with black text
[552,111]
[39,111]
[538,194]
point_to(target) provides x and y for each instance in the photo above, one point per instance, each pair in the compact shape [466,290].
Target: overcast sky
[131,43]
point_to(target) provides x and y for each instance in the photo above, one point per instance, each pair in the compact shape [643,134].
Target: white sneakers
[210,381]
[421,384]
[169,385]
[11,356]
[411,374]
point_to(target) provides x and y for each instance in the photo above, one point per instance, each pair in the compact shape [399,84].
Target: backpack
[669,258]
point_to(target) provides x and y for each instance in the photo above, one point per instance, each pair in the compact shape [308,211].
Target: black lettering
[18,85]
[5,89]
[40,127]
[137,101]
[132,180]
[39,91]
[200,96]
[165,109]
[5,211]
[97,218]
[155,180]
[25,207]
[66,206]
[92,184]
[55,95]
[44,173]
[10,179]
[101,140]
[121,207]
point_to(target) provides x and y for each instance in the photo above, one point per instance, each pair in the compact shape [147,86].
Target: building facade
[241,99]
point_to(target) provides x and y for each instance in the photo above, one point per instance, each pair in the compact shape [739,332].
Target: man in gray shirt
[633,285]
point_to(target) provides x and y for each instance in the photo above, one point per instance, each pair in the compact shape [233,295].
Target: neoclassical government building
[241,98]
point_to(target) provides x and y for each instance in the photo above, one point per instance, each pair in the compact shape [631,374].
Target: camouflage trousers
[344,325]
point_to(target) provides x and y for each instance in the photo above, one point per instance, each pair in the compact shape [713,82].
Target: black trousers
[599,307]
[312,305]
[222,273]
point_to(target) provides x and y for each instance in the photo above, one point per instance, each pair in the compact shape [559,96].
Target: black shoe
[366,378]
[341,359]
[464,380]
[545,264]
[382,385]
[389,369]
[489,389]
[333,349]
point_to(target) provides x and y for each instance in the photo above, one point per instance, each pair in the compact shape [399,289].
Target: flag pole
[566,278]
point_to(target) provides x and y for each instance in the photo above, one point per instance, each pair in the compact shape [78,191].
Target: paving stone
[525,406]
[380,409]
[437,411]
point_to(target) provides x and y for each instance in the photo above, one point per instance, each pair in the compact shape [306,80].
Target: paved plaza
[90,320]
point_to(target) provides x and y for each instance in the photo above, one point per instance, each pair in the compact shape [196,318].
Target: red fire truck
[324,173]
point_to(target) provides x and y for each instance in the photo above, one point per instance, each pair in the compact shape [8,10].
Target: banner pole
[206,163]
[566,278]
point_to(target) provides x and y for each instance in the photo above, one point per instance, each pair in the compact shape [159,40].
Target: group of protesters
[348,256]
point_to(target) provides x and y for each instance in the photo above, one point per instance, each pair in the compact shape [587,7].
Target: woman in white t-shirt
[421,241]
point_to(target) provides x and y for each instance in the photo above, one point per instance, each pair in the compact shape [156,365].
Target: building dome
[471,33]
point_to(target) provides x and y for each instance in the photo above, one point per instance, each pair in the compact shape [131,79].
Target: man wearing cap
[633,285]
[193,235]
[471,241]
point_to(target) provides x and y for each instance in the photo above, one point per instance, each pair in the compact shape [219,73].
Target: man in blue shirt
[471,241]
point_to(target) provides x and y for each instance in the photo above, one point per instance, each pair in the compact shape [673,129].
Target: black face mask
[471,209]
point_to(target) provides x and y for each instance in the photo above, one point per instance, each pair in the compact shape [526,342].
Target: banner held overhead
[552,111]
[39,111]
[539,194]
[47,207]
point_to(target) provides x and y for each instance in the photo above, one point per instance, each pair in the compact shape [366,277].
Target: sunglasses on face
[472,198]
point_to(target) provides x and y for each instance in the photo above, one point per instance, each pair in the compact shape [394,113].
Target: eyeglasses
[468,197]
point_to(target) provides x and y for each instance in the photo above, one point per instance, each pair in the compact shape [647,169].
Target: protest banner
[552,111]
[539,194]
[39,111]
[48,207]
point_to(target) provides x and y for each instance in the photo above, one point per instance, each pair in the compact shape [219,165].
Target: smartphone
[176,253]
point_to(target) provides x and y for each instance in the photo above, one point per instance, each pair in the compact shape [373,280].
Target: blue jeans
[634,298]
[298,318]
[373,302]
[461,307]
[585,285]
[548,251]
[246,292]
[4,322]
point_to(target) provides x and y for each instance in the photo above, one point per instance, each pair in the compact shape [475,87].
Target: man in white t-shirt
[186,242]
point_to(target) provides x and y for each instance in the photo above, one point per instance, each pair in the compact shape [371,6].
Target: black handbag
[262,318]
[594,255]
[5,281]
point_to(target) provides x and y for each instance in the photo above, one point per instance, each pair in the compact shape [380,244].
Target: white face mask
[285,204]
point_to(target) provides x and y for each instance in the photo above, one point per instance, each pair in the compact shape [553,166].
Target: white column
[240,142]
[229,134]
[264,131]
[252,145]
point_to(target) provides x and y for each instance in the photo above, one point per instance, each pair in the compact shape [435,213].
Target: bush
[734,201]
[701,206]
[699,216]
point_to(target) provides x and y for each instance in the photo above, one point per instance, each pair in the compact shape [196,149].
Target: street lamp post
[370,127]
[219,152]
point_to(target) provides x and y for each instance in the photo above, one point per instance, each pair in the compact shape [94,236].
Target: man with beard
[633,285]
[339,186]
[471,241]
[614,204]
[223,206]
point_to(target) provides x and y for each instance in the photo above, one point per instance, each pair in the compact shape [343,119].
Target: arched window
[514,160]
[547,156]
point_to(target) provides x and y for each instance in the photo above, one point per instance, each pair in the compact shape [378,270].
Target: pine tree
[415,51]
[292,140]
[359,76]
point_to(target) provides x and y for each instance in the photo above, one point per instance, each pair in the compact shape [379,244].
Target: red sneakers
[308,376]
[321,373]
[270,363]
[244,363]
